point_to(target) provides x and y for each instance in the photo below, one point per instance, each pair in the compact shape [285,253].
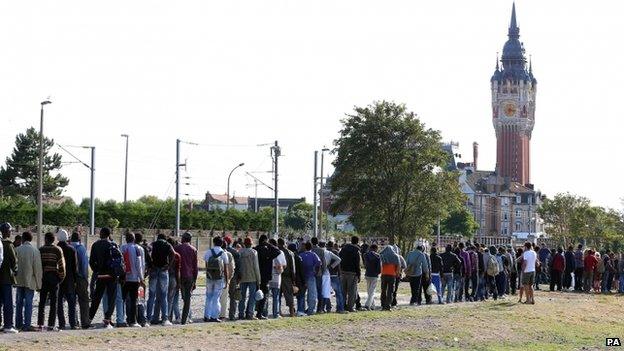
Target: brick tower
[513,108]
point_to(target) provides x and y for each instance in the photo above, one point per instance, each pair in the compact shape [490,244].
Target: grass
[558,321]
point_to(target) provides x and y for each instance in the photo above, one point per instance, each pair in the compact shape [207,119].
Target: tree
[299,216]
[389,173]
[565,216]
[20,174]
[460,222]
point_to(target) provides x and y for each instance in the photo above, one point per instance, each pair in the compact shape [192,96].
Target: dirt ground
[558,321]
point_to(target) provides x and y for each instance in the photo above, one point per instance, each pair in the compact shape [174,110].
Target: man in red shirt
[589,264]
[557,269]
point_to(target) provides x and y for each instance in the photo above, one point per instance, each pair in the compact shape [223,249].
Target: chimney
[475,154]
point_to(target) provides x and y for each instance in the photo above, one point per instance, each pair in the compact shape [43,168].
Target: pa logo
[613,342]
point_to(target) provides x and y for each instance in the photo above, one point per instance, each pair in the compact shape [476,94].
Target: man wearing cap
[188,273]
[8,268]
[28,280]
[67,288]
[249,280]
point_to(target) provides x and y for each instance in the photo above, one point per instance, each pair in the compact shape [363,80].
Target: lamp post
[40,172]
[227,201]
[126,170]
[321,192]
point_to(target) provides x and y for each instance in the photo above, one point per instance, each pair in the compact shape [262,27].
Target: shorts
[528,278]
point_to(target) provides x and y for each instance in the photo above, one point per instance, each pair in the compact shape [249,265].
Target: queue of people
[242,280]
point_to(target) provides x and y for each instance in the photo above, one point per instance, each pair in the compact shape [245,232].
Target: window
[518,199]
[505,217]
[517,213]
[518,226]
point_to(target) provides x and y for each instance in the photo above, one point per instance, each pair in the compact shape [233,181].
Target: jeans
[349,282]
[490,286]
[447,284]
[48,291]
[312,295]
[501,279]
[71,309]
[588,281]
[301,300]
[212,307]
[606,282]
[335,283]
[458,284]
[251,300]
[158,287]
[436,281]
[23,316]
[621,283]
[371,284]
[387,290]
[186,290]
[567,279]
[82,294]
[415,283]
[6,298]
[578,279]
[101,285]
[173,298]
[513,282]
[130,294]
[276,301]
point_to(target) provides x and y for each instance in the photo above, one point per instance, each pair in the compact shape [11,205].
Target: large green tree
[299,216]
[19,176]
[460,222]
[389,173]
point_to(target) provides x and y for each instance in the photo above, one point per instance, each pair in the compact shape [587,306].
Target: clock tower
[513,108]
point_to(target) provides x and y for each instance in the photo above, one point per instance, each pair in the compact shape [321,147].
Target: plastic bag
[431,290]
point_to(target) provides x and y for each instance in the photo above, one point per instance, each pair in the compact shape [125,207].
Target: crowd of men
[242,280]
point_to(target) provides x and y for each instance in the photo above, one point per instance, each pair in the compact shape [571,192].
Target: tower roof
[513,58]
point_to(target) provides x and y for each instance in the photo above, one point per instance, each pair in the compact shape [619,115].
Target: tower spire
[497,61]
[530,64]
[514,31]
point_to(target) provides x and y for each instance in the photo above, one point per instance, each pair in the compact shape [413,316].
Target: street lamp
[323,150]
[227,203]
[126,170]
[40,172]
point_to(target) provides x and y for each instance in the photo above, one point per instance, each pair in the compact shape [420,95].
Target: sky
[233,75]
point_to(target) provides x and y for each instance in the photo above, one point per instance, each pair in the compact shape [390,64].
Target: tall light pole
[177,195]
[40,190]
[321,193]
[126,170]
[276,152]
[227,201]
[314,197]
[92,200]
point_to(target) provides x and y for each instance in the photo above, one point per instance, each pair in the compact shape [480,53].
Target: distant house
[219,201]
[284,203]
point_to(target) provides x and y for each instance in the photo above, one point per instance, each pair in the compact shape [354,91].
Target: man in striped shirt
[53,266]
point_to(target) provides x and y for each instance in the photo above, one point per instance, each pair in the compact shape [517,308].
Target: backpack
[116,263]
[492,266]
[214,266]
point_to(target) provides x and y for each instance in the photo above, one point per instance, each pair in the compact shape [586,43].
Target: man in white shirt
[332,261]
[275,283]
[216,279]
[529,258]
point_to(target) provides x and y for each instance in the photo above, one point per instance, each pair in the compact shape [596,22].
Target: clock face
[509,109]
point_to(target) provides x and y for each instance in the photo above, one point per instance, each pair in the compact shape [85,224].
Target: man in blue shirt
[82,281]
[311,264]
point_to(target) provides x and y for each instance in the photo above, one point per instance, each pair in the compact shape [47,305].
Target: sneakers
[108,326]
[300,314]
[167,323]
[10,331]
[135,325]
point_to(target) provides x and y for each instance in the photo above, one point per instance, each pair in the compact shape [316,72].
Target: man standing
[230,268]
[350,270]
[105,276]
[529,262]
[188,273]
[8,268]
[133,263]
[372,266]
[334,276]
[390,269]
[53,267]
[417,266]
[216,279]
[570,267]
[162,257]
[558,267]
[467,270]
[28,280]
[288,277]
[67,288]
[578,268]
[332,261]
[233,248]
[311,264]
[82,279]
[249,280]
[266,254]
[589,265]
[450,262]
[319,251]
[544,256]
